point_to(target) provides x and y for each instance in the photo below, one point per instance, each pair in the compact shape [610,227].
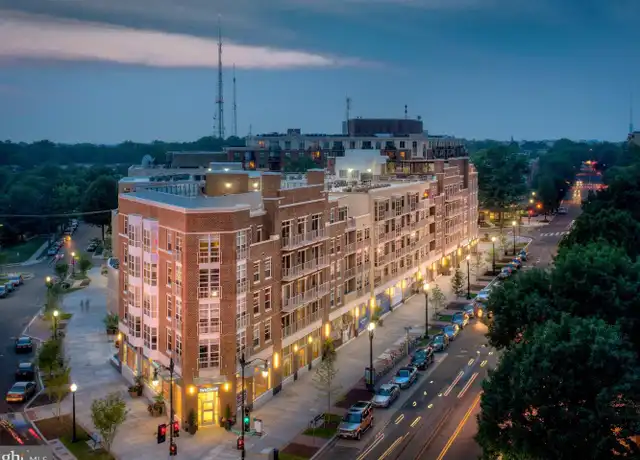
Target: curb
[330,443]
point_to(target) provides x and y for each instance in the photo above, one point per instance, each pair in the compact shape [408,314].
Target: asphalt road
[455,439]
[425,399]
[20,306]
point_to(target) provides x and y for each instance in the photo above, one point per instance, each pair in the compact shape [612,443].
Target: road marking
[455,382]
[459,428]
[483,363]
[466,387]
[391,447]
[368,450]
[399,419]
[554,234]
[415,422]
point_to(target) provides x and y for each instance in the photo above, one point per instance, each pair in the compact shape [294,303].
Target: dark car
[26,372]
[422,358]
[440,342]
[356,421]
[24,345]
[21,392]
[523,255]
[460,318]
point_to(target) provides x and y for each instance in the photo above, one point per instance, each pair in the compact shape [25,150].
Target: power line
[71,214]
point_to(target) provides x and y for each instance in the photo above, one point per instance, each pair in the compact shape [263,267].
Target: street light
[55,323]
[425,288]
[73,389]
[513,224]
[173,448]
[265,372]
[468,278]
[493,243]
[371,327]
[73,264]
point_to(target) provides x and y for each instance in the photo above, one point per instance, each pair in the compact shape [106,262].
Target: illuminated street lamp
[55,323]
[371,327]
[513,224]
[73,389]
[493,243]
[73,264]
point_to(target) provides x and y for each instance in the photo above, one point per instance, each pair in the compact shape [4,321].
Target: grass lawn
[445,317]
[54,428]
[21,252]
[327,430]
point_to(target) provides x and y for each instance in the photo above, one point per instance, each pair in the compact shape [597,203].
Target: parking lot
[20,306]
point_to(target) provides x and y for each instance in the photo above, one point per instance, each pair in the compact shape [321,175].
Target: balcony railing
[350,248]
[301,324]
[301,239]
[309,295]
[242,321]
[210,328]
[209,364]
[349,273]
[242,253]
[305,268]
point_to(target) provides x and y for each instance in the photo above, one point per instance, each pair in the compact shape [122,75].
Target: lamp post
[265,373]
[468,278]
[55,323]
[425,288]
[371,327]
[493,244]
[173,448]
[73,264]
[513,224]
[47,281]
[73,389]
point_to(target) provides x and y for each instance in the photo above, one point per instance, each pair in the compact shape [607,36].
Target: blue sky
[113,70]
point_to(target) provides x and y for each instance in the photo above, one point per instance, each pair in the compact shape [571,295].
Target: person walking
[86,304]
[82,305]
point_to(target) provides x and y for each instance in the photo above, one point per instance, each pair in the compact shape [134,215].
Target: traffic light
[173,449]
[240,443]
[247,423]
[176,429]
[162,433]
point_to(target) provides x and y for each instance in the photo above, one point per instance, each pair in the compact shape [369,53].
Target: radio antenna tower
[631,113]
[347,116]
[220,99]
[235,105]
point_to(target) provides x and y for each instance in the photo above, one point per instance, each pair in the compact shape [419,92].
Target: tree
[457,283]
[569,392]
[548,194]
[61,270]
[57,386]
[609,226]
[50,356]
[477,263]
[520,303]
[84,264]
[107,415]
[503,242]
[325,377]
[53,296]
[101,197]
[299,165]
[437,297]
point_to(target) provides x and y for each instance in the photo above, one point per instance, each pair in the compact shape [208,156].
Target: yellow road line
[459,428]
[391,447]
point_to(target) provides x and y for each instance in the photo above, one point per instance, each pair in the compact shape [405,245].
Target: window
[169,241]
[126,225]
[259,231]
[267,299]
[209,250]
[241,313]
[256,272]
[178,244]
[267,331]
[146,240]
[209,355]
[150,274]
[134,266]
[178,314]
[241,245]
[169,273]
[256,303]
[179,276]
[150,337]
[315,222]
[209,318]
[150,306]
[267,268]
[169,339]
[256,335]
[125,254]
[332,299]
[178,347]
[241,343]
[209,283]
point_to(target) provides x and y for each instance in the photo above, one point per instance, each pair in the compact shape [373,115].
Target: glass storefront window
[260,384]
[287,366]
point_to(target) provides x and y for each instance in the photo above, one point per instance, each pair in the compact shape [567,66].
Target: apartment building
[267,267]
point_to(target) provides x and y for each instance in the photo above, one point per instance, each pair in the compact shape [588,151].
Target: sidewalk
[284,416]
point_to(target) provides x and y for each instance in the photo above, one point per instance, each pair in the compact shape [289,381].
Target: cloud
[41,37]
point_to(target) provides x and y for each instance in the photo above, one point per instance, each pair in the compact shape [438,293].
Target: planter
[156,409]
[133,393]
[193,429]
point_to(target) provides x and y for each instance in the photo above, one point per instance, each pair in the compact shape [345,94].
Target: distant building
[634,138]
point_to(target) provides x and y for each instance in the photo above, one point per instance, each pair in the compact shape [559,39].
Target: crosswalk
[554,234]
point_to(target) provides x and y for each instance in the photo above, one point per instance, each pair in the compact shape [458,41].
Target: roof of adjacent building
[195,159]
[250,200]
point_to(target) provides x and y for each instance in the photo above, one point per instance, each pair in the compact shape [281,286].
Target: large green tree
[570,392]
[99,199]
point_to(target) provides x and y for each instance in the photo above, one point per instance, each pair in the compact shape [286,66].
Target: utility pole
[235,105]
[220,99]
[348,115]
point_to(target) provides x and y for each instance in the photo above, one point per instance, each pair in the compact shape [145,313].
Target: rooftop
[250,200]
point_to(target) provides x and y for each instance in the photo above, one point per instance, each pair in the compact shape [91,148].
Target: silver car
[405,377]
[385,395]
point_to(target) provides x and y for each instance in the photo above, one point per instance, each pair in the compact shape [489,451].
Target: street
[20,306]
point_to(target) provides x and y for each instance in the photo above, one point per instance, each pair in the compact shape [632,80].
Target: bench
[316,421]
[94,440]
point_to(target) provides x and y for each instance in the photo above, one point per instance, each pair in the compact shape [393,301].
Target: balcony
[309,295]
[350,248]
[384,259]
[305,268]
[209,328]
[302,239]
[242,253]
[453,196]
[242,321]
[301,324]
[209,365]
[350,297]
[241,287]
[350,273]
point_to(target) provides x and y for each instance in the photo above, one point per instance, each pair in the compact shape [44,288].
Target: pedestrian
[86,305]
[82,305]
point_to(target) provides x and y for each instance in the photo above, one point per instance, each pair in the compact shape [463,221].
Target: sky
[106,71]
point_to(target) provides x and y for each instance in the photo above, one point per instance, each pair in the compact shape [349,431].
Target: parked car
[385,395]
[483,295]
[452,331]
[15,282]
[422,358]
[562,210]
[517,262]
[470,310]
[3,292]
[440,342]
[504,273]
[10,287]
[357,420]
[17,277]
[92,247]
[21,392]
[53,250]
[460,318]
[523,255]
[514,268]
[405,377]
[24,345]
[25,372]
